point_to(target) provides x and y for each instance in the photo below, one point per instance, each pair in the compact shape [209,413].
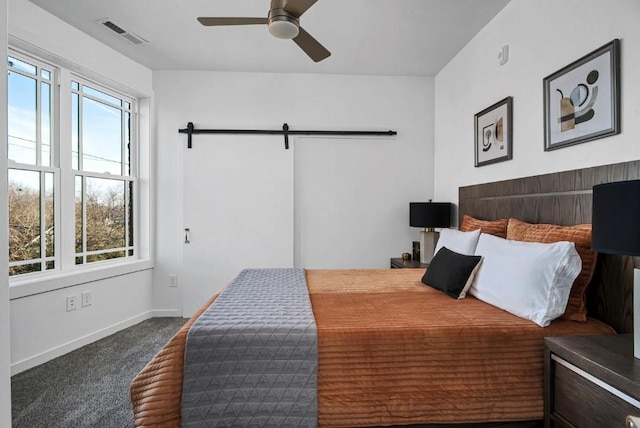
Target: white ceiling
[382,37]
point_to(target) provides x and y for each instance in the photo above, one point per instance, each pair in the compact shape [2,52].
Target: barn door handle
[186,236]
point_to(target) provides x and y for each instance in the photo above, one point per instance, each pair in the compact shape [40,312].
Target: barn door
[238,207]
[348,206]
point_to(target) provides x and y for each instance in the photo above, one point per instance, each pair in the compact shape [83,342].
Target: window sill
[45,283]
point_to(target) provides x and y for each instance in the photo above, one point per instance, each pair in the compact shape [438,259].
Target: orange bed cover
[393,351]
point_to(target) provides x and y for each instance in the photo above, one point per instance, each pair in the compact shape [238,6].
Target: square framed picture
[494,133]
[582,100]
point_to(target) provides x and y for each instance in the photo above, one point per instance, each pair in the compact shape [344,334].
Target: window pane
[101,137]
[105,256]
[101,95]
[49,213]
[21,65]
[75,86]
[75,131]
[19,270]
[45,74]
[79,216]
[45,120]
[24,215]
[105,215]
[21,124]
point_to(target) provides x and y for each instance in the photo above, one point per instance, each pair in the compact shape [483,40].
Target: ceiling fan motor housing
[282,24]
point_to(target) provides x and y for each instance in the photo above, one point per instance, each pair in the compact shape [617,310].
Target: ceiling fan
[284,23]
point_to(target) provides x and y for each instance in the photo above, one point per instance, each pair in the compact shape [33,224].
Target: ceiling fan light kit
[283,22]
[283,28]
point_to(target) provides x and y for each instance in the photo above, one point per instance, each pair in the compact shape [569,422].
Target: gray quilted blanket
[251,357]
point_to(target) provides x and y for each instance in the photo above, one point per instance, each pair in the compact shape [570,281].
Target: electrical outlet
[86,298]
[72,303]
[173,280]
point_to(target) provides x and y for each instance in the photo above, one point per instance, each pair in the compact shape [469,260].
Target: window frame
[130,178]
[37,166]
[66,272]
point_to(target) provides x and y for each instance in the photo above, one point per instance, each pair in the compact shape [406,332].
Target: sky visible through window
[101,126]
[101,131]
[22,118]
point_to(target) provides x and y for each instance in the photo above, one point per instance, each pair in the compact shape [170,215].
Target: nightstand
[590,381]
[398,263]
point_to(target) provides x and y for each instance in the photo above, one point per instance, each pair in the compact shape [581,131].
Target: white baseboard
[43,357]
[171,313]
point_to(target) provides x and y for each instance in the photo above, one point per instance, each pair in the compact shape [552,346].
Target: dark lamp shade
[616,218]
[430,214]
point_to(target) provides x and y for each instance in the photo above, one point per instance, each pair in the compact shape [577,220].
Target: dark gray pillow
[451,272]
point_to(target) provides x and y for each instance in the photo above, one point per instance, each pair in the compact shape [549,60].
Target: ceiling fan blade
[311,46]
[231,21]
[298,7]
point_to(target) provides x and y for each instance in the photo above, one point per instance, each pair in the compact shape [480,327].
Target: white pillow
[460,242]
[529,279]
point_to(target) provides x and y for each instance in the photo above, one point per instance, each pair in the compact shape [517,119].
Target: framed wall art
[494,133]
[582,100]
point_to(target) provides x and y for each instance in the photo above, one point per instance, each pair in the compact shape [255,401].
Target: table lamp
[429,215]
[616,230]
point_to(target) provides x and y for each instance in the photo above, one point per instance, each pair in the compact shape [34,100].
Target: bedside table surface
[398,263]
[608,357]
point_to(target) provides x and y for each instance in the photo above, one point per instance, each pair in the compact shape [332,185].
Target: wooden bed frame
[565,198]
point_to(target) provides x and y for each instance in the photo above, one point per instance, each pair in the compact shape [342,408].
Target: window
[104,187]
[31,176]
[94,176]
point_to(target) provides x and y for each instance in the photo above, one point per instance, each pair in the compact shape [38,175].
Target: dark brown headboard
[564,198]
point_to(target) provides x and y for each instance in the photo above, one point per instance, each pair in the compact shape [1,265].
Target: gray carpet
[89,387]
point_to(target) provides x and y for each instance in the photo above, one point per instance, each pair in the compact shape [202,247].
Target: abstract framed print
[493,139]
[582,100]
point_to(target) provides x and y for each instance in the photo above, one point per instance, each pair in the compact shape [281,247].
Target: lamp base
[636,313]
[428,240]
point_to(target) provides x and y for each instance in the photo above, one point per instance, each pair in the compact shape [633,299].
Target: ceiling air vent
[127,35]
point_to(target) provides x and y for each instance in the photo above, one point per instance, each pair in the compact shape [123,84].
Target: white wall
[304,101]
[5,379]
[543,36]
[41,328]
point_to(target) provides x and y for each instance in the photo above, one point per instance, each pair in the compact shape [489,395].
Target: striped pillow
[581,236]
[492,227]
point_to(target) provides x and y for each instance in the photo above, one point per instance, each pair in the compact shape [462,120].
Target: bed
[389,355]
